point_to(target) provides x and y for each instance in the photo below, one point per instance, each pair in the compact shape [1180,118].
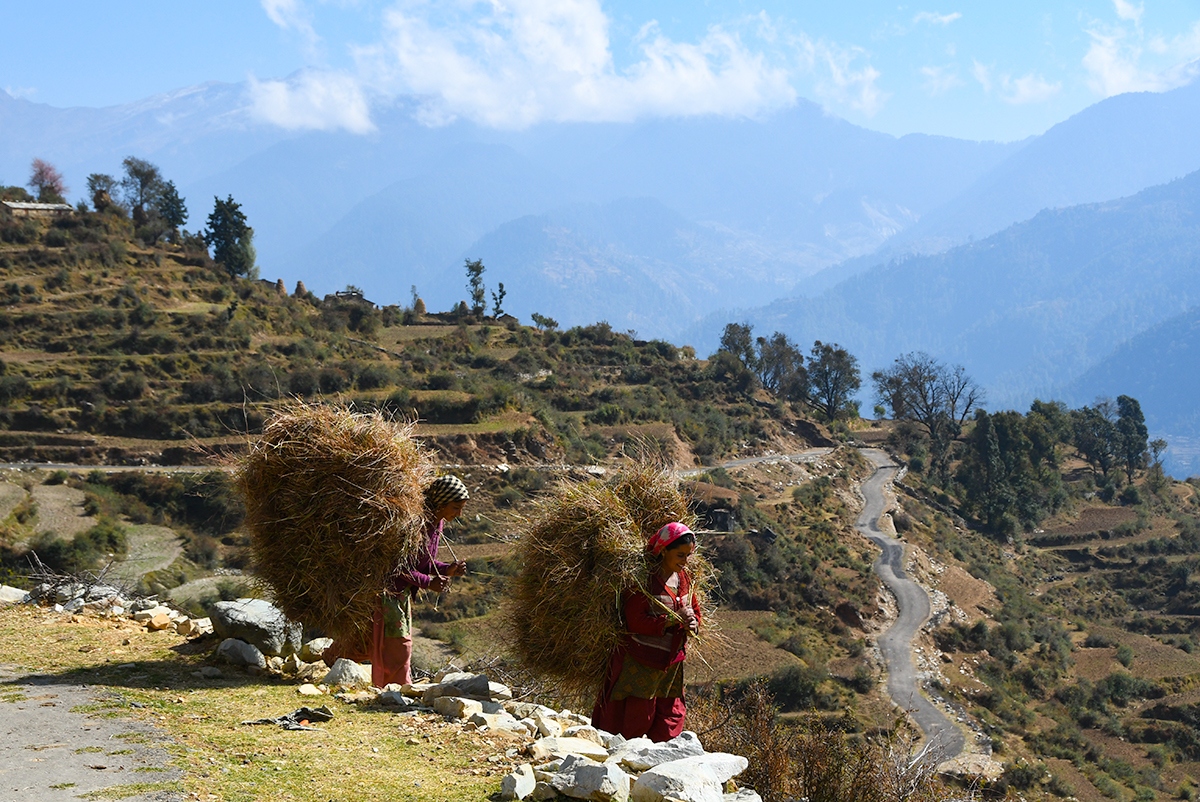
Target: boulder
[258,622]
[548,726]
[12,595]
[471,686]
[693,779]
[519,784]
[308,689]
[581,778]
[545,749]
[456,706]
[499,692]
[240,653]
[686,744]
[312,650]
[543,792]
[348,674]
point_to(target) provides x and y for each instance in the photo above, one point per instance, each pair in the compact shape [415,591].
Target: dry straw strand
[583,547]
[333,504]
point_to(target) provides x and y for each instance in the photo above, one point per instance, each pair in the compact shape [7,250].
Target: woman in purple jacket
[390,650]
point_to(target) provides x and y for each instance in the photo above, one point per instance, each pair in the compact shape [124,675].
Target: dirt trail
[913,604]
[49,752]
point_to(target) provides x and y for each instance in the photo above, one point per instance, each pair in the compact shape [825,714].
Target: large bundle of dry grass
[585,546]
[333,503]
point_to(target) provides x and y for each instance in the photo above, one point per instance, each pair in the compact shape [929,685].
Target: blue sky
[975,70]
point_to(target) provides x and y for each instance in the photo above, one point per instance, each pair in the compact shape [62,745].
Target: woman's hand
[439,583]
[693,623]
[458,568]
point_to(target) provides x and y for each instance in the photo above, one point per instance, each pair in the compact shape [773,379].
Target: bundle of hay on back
[333,503]
[585,546]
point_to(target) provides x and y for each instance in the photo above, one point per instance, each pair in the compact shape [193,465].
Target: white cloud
[1115,60]
[940,19]
[532,60]
[939,80]
[983,74]
[842,75]
[1030,88]
[293,15]
[1127,11]
[324,100]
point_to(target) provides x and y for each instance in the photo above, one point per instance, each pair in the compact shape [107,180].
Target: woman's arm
[642,617]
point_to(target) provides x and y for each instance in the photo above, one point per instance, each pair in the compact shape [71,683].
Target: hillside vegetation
[1064,631]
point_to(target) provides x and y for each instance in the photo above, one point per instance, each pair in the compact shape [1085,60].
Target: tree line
[827,382]
[154,204]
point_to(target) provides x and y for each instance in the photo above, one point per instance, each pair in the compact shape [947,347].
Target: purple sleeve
[421,570]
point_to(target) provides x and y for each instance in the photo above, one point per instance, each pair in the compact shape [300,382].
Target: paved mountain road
[913,604]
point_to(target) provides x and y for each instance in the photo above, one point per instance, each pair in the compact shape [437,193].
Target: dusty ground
[10,496]
[60,509]
[51,749]
[151,548]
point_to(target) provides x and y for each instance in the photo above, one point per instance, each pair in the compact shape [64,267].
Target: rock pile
[109,602]
[567,756]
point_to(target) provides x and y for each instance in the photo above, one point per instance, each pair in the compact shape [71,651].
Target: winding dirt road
[913,604]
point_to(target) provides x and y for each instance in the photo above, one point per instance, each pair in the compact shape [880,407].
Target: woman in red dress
[643,693]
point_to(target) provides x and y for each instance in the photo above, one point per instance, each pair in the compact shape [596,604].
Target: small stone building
[27,209]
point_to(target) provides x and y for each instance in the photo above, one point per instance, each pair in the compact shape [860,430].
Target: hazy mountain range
[1018,260]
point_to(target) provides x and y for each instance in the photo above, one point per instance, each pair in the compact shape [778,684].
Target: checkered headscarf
[443,490]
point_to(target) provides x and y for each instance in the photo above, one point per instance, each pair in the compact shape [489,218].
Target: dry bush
[813,760]
[333,504]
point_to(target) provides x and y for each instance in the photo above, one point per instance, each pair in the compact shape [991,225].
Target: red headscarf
[666,536]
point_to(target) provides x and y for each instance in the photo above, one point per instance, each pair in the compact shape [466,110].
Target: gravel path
[51,752]
[913,604]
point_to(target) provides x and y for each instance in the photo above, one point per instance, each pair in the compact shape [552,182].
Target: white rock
[116,610]
[693,779]
[311,651]
[240,653]
[348,674]
[519,784]
[456,706]
[611,742]
[585,731]
[544,749]
[73,605]
[617,750]
[499,692]
[686,744]
[548,726]
[581,778]
[12,595]
[527,709]
[496,721]
[744,795]
[308,689]
[393,698]
[210,672]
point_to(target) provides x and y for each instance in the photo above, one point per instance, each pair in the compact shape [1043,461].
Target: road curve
[913,604]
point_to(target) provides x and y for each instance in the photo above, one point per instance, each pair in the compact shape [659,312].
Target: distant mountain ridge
[1111,149]
[1027,310]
